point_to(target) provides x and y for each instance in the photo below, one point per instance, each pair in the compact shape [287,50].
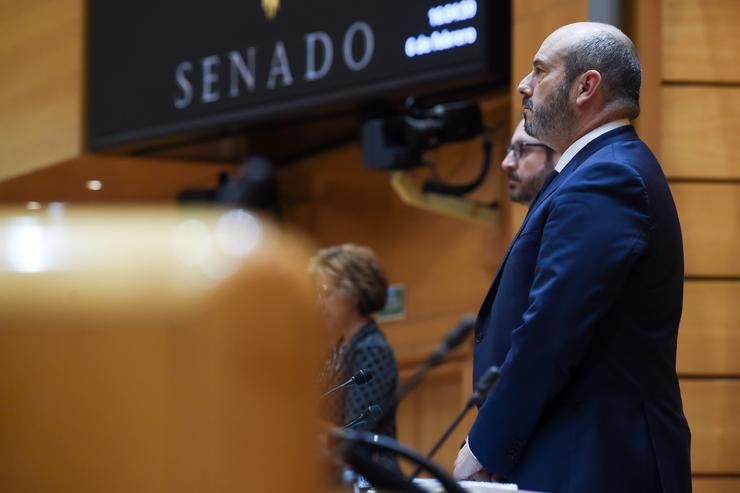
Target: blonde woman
[352,287]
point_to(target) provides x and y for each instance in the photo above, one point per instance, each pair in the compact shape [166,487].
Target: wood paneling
[709,337]
[716,485]
[428,410]
[710,218]
[700,40]
[41,81]
[414,338]
[124,179]
[642,18]
[712,408]
[700,129]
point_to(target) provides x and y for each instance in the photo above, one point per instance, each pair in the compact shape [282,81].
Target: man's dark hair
[617,62]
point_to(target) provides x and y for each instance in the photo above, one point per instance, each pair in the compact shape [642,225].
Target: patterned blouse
[367,349]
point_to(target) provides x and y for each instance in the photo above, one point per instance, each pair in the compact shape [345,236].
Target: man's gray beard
[551,118]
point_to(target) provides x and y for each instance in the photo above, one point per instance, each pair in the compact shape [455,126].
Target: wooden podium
[155,350]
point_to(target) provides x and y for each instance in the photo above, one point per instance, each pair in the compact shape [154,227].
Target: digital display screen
[161,68]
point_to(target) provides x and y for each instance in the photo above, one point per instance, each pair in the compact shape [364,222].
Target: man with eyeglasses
[528,163]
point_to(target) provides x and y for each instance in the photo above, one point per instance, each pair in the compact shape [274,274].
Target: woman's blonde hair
[355,272]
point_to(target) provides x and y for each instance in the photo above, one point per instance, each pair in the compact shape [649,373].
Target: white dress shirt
[579,144]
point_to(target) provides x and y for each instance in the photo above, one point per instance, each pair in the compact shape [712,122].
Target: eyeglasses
[520,148]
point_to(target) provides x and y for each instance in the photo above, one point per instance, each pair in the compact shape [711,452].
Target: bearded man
[527,164]
[582,316]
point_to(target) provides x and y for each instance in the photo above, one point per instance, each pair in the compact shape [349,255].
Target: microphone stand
[482,387]
[373,411]
[361,377]
[454,339]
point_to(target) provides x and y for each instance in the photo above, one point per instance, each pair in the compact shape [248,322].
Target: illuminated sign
[161,68]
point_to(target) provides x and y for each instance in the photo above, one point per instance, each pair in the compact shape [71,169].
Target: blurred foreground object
[155,350]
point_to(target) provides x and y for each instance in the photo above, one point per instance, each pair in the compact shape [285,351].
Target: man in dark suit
[582,316]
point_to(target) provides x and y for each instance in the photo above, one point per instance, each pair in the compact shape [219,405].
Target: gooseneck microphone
[362,376]
[482,386]
[453,339]
[371,413]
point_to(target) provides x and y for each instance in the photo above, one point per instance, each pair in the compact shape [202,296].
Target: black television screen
[160,68]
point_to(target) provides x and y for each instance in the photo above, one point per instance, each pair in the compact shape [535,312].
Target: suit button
[478,337]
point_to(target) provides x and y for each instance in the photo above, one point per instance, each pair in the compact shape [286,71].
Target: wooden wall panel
[124,179]
[710,218]
[709,337]
[716,485]
[641,19]
[712,408]
[41,81]
[700,127]
[415,337]
[700,103]
[427,412]
[700,40]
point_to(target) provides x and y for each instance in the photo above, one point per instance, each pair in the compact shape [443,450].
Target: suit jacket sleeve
[597,225]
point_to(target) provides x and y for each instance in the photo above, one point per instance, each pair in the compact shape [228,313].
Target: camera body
[398,142]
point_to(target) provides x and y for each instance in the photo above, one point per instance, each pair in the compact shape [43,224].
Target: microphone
[362,376]
[482,386]
[453,339]
[371,413]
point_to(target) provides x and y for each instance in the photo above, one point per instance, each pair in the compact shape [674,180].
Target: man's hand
[468,468]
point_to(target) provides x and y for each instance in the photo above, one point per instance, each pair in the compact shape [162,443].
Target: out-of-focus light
[217,251]
[33,205]
[55,211]
[238,233]
[192,242]
[27,245]
[218,268]
[94,185]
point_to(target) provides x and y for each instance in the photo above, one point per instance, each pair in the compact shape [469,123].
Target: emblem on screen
[270,7]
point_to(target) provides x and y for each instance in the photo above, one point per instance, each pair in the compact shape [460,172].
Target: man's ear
[587,86]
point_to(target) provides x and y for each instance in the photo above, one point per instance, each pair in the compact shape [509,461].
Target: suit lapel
[554,181]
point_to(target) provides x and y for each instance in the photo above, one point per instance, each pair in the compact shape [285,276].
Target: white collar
[579,144]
